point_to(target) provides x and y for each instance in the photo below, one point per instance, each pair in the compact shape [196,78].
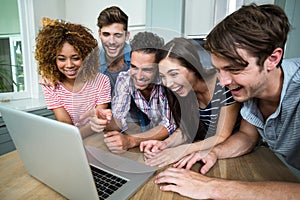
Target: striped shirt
[157,108]
[93,93]
[281,130]
[210,115]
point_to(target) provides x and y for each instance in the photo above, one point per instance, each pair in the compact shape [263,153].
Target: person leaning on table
[138,88]
[251,65]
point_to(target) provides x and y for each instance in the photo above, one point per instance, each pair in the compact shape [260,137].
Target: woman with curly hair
[68,57]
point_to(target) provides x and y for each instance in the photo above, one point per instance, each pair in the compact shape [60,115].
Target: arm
[236,145]
[194,185]
[227,120]
[151,147]
[62,115]
[120,103]
[118,142]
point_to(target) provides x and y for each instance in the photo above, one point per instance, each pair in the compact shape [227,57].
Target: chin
[141,87]
[240,98]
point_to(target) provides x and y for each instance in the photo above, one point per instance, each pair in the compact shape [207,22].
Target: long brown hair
[185,110]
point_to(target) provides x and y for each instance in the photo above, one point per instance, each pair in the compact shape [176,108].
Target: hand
[99,118]
[117,142]
[152,147]
[184,182]
[208,157]
[168,156]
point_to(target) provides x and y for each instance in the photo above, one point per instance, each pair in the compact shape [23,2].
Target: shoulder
[124,75]
[291,69]
[58,87]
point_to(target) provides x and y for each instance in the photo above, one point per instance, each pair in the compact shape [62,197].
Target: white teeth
[176,89]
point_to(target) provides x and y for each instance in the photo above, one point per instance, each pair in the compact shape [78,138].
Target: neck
[147,92]
[270,100]
[73,85]
[204,91]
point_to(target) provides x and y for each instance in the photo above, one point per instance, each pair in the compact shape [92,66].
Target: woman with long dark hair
[204,111]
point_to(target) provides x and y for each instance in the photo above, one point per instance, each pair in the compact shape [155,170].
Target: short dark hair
[267,26]
[146,42]
[112,15]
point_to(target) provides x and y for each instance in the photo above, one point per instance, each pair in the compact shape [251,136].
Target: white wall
[86,12]
[53,10]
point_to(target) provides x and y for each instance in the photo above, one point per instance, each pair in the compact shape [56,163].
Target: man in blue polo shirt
[251,65]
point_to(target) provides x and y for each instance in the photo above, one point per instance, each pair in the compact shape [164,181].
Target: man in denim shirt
[115,52]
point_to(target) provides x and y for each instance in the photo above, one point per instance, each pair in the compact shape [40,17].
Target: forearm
[86,130]
[114,125]
[224,189]
[236,145]
[175,139]
[157,133]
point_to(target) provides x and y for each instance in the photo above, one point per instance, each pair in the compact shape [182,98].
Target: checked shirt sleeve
[121,99]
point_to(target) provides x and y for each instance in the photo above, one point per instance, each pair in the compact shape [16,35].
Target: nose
[168,82]
[225,78]
[139,74]
[111,39]
[69,63]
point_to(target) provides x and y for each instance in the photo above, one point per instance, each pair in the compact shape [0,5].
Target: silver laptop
[53,152]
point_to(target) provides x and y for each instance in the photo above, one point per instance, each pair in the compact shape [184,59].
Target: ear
[127,35]
[273,60]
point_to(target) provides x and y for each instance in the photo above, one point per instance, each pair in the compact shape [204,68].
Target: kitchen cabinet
[189,18]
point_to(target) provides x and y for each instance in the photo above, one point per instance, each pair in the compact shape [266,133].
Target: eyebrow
[172,70]
[74,55]
[105,32]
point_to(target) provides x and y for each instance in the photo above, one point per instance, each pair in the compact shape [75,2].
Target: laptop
[53,152]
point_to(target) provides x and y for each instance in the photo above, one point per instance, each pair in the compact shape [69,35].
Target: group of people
[178,102]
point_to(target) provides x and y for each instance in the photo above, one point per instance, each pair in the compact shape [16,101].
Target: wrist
[132,141]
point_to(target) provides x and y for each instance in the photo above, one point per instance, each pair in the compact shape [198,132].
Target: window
[18,76]
[11,63]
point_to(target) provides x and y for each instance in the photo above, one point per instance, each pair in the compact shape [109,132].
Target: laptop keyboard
[106,183]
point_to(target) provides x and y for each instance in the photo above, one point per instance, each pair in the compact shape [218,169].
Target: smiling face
[68,61]
[176,77]
[113,39]
[243,82]
[142,69]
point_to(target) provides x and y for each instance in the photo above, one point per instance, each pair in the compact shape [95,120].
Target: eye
[76,58]
[105,34]
[173,74]
[61,59]
[133,67]
[148,70]
[234,70]
[118,35]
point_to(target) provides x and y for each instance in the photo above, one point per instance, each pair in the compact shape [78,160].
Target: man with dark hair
[250,63]
[139,99]
[115,52]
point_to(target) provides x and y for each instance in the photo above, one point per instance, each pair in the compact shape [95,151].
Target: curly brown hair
[49,43]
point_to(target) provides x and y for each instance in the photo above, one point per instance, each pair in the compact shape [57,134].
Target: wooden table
[259,165]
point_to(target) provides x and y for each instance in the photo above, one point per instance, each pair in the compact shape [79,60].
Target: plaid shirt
[157,108]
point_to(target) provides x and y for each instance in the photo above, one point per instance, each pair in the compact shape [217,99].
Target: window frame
[27,32]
